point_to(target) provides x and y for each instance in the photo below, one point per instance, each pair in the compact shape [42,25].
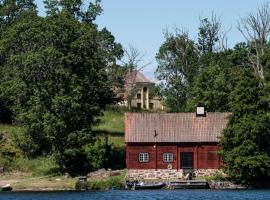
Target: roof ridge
[139,76]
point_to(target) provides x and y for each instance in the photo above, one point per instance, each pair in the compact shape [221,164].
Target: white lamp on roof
[200,111]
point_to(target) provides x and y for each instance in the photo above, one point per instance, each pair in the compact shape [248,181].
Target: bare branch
[134,63]
[255,28]
[223,41]
[134,59]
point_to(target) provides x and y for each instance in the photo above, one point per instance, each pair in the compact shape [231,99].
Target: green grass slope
[112,122]
[112,125]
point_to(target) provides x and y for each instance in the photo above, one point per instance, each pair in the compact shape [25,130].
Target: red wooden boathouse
[173,140]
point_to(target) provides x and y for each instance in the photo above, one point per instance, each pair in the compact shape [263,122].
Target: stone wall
[154,174]
[103,173]
[168,174]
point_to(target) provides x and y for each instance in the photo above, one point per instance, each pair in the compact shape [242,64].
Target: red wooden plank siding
[208,157]
[161,149]
[127,156]
[134,157]
[205,155]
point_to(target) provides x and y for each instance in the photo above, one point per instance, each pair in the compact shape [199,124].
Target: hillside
[111,126]
[24,173]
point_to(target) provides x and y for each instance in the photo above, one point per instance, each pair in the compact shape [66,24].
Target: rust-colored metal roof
[174,127]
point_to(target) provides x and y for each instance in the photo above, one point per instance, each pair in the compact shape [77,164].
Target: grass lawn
[24,181]
[112,122]
[116,141]
[10,130]
[112,125]
[45,183]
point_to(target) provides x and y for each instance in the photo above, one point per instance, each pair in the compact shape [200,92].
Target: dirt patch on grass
[24,182]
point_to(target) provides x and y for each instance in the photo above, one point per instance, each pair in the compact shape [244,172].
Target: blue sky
[141,22]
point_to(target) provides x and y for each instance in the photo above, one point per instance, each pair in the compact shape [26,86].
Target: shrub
[116,182]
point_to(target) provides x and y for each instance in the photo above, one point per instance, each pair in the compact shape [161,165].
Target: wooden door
[186,160]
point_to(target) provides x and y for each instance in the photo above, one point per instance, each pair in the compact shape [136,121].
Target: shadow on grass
[116,154]
[108,133]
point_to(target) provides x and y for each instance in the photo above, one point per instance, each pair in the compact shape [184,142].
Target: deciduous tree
[256,30]
[55,73]
[177,66]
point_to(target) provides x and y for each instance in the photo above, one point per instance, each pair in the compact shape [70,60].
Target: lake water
[141,195]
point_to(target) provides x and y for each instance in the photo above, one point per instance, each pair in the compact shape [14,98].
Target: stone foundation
[166,174]
[154,174]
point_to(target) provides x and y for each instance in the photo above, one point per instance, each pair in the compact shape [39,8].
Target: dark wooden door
[186,160]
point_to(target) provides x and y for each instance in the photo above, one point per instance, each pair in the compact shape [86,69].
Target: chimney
[200,111]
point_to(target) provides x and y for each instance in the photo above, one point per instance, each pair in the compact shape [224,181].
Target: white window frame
[143,157]
[168,157]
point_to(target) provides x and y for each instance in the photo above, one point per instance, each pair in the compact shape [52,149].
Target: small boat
[6,187]
[189,184]
[145,186]
[148,186]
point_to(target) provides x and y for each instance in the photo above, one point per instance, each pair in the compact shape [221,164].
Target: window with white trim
[168,157]
[144,157]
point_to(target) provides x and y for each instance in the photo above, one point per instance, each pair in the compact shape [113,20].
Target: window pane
[143,157]
[168,157]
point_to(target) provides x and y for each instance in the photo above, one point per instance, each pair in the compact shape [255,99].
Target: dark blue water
[140,195]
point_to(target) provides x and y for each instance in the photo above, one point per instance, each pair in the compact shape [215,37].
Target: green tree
[208,34]
[245,142]
[55,74]
[210,88]
[97,153]
[94,10]
[215,81]
[51,7]
[11,10]
[239,55]
[177,66]
[75,8]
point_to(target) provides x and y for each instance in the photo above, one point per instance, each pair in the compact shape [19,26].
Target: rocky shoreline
[225,185]
[24,182]
[166,176]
